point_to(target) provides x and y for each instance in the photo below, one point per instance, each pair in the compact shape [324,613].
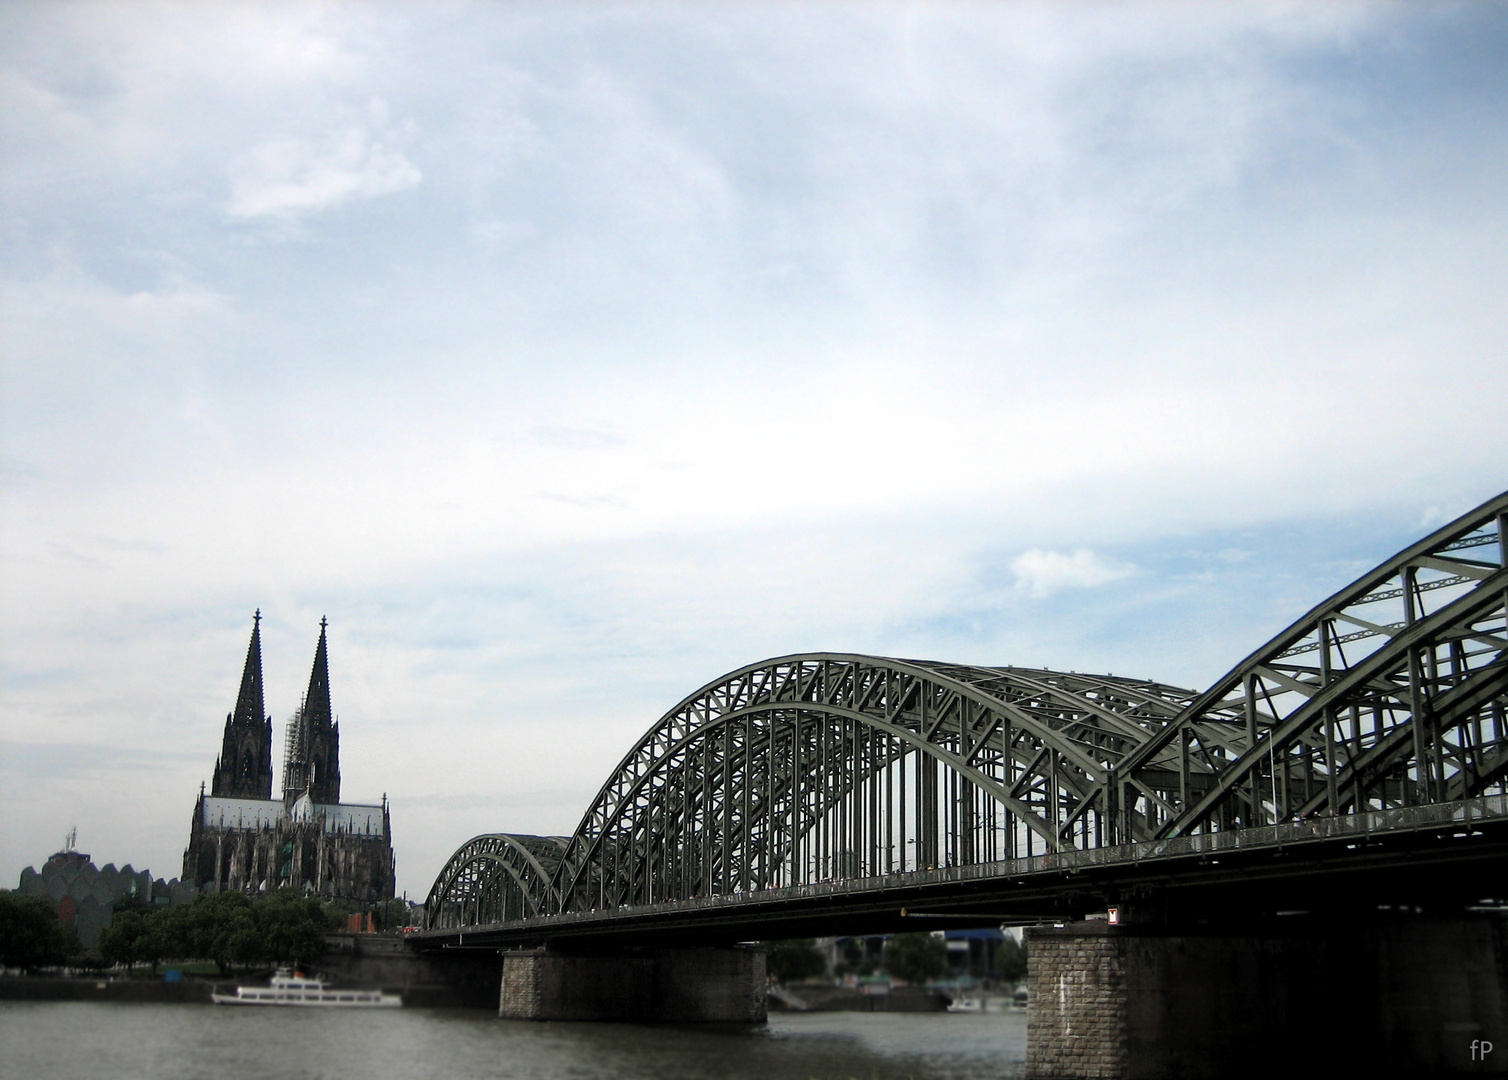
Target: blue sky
[567,356]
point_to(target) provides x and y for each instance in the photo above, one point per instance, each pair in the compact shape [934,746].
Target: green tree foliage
[228,928]
[1010,961]
[30,934]
[391,914]
[338,912]
[915,957]
[292,927]
[796,959]
[121,942]
[220,927]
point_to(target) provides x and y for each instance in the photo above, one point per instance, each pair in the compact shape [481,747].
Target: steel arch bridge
[1384,705]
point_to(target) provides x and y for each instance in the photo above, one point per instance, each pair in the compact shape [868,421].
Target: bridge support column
[677,985]
[449,979]
[1411,996]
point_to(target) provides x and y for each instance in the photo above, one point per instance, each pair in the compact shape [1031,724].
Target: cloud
[1042,573]
[577,438]
[84,759]
[630,345]
[297,175]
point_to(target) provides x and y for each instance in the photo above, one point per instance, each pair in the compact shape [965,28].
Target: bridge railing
[1465,813]
[1398,819]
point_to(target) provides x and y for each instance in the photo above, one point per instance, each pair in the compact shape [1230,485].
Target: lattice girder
[1330,702]
[487,872]
[1040,745]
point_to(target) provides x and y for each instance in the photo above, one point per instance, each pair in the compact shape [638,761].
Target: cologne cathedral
[244,839]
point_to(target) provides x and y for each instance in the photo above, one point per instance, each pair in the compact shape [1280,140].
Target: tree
[292,927]
[228,928]
[1011,960]
[221,927]
[338,912]
[30,934]
[796,959]
[168,935]
[164,936]
[391,914]
[122,941]
[915,957]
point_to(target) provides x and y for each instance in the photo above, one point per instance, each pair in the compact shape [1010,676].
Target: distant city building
[242,838]
[85,896]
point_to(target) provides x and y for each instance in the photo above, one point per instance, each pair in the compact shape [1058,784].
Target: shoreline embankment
[187,991]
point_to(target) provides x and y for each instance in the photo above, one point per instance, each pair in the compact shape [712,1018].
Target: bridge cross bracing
[836,773]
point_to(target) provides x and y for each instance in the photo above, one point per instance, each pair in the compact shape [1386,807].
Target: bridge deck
[1313,862]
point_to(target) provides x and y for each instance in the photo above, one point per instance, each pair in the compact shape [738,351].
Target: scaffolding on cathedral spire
[311,759]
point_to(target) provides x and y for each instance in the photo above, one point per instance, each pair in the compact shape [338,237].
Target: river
[67,1040]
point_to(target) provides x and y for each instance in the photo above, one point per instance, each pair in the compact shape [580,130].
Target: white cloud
[1042,573]
[356,158]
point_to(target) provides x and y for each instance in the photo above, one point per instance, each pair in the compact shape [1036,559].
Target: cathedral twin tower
[311,748]
[243,839]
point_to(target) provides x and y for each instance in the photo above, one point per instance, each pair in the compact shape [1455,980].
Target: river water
[47,1040]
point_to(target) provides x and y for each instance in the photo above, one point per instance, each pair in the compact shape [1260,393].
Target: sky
[568,356]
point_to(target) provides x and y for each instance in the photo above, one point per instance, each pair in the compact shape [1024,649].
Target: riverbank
[186,991]
[817,997]
[43,988]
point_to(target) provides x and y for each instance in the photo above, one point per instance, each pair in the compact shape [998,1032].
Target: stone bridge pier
[460,978]
[1402,995]
[713,985]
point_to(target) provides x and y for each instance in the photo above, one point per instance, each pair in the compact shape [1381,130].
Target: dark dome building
[85,897]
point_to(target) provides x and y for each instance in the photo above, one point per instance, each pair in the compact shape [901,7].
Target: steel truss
[496,878]
[829,766]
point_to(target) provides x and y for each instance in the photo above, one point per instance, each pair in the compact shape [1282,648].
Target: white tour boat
[288,988]
[977,1003]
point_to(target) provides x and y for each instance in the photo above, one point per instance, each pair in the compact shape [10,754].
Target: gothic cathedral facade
[242,838]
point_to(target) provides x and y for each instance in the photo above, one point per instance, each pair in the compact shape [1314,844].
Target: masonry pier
[677,985]
[452,978]
[1397,995]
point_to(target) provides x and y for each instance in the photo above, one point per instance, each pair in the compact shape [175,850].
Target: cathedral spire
[245,766]
[317,699]
[249,702]
[318,736]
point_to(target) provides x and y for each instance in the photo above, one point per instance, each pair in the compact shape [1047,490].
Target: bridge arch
[494,878]
[826,765]
[819,766]
[1390,693]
